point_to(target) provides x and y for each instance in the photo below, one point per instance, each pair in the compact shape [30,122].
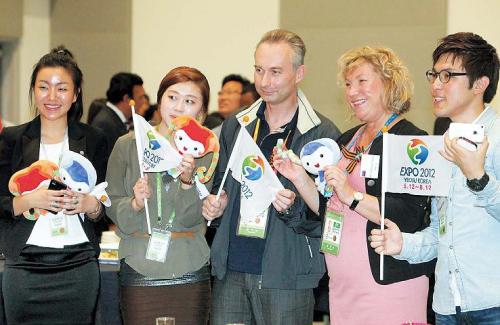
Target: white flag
[412,164]
[259,183]
[157,153]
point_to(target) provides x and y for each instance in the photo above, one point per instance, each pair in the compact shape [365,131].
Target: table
[108,302]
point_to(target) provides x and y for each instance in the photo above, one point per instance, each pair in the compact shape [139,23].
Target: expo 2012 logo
[153,143]
[417,151]
[253,167]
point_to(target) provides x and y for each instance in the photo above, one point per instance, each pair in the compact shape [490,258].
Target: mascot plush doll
[315,156]
[190,137]
[27,180]
[78,173]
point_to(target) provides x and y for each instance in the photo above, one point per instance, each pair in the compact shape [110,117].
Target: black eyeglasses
[443,75]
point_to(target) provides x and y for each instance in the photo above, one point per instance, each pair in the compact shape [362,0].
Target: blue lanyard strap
[356,154]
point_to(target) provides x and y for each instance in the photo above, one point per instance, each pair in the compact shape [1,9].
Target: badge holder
[159,241]
[253,226]
[332,232]
[58,224]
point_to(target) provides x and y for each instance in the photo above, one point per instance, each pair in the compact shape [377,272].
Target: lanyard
[384,129]
[355,156]
[159,183]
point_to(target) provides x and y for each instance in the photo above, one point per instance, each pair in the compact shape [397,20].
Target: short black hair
[250,87]
[479,58]
[122,84]
[235,77]
[61,57]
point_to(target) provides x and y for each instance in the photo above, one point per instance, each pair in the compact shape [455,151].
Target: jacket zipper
[309,246]
[260,282]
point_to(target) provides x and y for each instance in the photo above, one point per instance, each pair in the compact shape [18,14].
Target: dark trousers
[238,298]
[490,316]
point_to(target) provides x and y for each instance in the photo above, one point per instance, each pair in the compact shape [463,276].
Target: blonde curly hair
[395,75]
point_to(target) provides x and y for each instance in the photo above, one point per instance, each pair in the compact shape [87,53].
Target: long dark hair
[62,57]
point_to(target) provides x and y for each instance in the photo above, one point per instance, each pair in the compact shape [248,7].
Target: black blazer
[19,148]
[409,212]
[111,124]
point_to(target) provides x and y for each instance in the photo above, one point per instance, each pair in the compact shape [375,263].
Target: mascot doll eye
[79,189]
[180,138]
[195,149]
[307,164]
[321,156]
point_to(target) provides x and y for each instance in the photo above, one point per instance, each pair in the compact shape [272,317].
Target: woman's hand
[41,198]
[75,202]
[336,178]
[141,192]
[186,168]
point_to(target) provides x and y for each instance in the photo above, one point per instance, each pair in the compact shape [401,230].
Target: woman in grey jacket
[177,284]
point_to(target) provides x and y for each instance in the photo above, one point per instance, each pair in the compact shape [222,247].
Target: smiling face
[454,98]
[275,77]
[364,92]
[318,160]
[54,93]
[229,98]
[182,98]
[186,145]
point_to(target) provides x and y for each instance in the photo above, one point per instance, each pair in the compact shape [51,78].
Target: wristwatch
[478,184]
[358,196]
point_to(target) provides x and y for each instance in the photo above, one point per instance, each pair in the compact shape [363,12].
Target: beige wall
[329,28]
[11,13]
[99,35]
[217,37]
[480,17]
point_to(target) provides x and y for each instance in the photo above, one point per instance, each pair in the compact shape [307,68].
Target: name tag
[158,245]
[58,224]
[369,166]
[253,226]
[332,232]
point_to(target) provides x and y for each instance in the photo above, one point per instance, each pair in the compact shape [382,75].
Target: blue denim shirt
[469,250]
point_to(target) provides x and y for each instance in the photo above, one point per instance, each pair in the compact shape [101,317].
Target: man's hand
[213,208]
[388,241]
[471,163]
[284,200]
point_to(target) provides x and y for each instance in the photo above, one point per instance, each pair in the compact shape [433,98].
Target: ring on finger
[75,201]
[53,204]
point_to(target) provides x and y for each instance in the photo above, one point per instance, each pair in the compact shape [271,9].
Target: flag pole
[385,165]
[139,156]
[229,163]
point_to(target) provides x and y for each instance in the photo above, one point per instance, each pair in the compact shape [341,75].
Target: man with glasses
[465,226]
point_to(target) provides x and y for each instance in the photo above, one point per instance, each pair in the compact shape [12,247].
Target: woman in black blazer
[44,283]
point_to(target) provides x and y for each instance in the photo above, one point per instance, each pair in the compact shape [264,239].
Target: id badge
[158,245]
[330,241]
[253,226]
[58,224]
[369,166]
